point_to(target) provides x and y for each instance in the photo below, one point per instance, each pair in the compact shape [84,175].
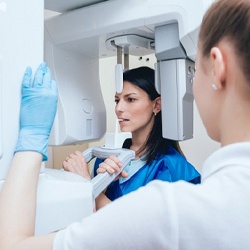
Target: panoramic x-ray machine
[71,43]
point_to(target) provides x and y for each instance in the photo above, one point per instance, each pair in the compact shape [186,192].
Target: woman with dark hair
[138,109]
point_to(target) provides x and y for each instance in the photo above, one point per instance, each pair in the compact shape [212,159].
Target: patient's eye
[131,99]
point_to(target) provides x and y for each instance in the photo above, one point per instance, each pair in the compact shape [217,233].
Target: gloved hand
[38,109]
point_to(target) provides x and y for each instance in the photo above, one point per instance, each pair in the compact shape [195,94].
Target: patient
[138,109]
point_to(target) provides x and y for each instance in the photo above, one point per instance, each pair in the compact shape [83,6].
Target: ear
[157,105]
[218,67]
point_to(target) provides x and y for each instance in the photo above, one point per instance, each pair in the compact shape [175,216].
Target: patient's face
[134,110]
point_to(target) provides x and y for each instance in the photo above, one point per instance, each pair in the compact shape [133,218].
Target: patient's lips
[122,120]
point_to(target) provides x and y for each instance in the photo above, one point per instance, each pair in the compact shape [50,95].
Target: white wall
[196,149]
[21,44]
[201,146]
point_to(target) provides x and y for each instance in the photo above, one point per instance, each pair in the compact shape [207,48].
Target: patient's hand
[77,164]
[111,165]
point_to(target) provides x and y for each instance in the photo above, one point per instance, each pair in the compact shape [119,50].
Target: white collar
[231,155]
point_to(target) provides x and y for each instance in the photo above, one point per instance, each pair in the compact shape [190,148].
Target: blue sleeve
[178,168]
[167,171]
[96,165]
[171,167]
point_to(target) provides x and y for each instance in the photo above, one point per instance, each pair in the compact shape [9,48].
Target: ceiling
[67,5]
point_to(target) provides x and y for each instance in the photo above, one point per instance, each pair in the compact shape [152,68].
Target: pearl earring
[214,86]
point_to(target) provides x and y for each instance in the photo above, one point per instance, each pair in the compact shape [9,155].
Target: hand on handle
[111,165]
[76,163]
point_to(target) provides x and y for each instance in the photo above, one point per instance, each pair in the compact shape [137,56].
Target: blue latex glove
[38,109]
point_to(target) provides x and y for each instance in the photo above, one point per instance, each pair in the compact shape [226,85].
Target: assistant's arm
[18,195]
[144,219]
[18,204]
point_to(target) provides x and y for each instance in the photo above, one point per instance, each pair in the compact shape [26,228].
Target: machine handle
[102,180]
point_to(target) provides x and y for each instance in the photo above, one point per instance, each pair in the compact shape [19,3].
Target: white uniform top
[180,215]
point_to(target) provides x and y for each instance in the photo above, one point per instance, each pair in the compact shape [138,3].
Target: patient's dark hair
[155,145]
